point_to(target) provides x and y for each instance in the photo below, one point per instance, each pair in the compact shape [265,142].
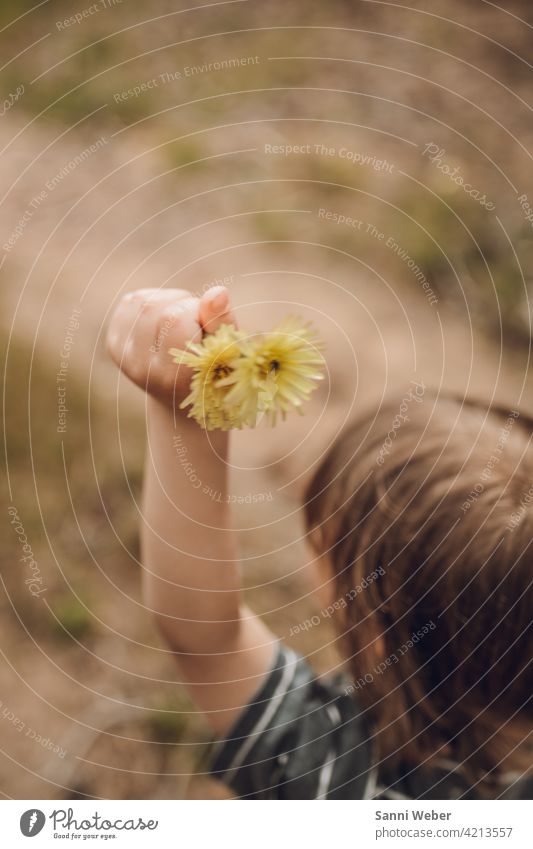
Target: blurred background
[364,164]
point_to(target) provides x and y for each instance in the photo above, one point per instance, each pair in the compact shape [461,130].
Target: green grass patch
[168,721]
[73,619]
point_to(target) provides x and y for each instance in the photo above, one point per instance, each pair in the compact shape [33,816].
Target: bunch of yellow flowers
[238,379]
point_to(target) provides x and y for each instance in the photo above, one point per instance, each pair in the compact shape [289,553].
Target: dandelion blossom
[278,373]
[238,380]
[212,360]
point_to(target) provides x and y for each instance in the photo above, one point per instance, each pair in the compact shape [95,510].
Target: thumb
[215,309]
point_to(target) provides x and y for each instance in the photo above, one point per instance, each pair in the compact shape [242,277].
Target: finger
[153,294]
[126,329]
[178,324]
[215,309]
[121,326]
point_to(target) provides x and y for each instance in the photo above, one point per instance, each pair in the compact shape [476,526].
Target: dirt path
[113,223]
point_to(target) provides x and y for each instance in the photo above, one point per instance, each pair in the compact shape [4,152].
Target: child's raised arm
[191,577]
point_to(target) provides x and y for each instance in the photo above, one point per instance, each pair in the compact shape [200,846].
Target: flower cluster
[238,379]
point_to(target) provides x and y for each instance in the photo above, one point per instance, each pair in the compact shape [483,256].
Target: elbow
[195,636]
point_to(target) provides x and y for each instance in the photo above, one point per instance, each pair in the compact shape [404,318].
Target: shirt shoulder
[299,738]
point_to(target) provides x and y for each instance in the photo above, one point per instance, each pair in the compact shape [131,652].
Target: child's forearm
[190,573]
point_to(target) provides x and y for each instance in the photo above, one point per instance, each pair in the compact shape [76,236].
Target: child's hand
[148,322]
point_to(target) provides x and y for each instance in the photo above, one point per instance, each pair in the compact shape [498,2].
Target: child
[420,527]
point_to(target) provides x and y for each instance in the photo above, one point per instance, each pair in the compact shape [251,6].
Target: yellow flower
[277,374]
[212,360]
[237,381]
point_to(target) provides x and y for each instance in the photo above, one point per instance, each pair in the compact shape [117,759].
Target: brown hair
[425,511]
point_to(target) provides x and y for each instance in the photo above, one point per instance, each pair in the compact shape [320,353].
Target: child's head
[423,514]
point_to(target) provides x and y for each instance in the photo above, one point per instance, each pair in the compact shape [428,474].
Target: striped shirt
[302,738]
